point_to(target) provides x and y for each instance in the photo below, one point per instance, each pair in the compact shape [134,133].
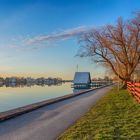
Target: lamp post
[77,67]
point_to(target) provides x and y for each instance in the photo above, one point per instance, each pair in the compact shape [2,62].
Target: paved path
[47,123]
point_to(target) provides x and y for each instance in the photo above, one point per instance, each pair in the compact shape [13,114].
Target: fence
[134,89]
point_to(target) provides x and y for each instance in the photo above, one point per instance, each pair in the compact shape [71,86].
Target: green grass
[115,117]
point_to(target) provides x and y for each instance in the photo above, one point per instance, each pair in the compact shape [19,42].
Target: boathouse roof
[82,78]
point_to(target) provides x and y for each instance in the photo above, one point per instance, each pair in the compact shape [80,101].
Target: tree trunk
[124,86]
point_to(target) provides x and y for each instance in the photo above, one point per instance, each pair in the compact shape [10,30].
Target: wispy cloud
[59,36]
[29,43]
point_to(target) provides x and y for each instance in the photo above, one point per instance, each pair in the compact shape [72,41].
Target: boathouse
[82,80]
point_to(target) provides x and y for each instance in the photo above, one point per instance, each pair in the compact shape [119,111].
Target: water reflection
[78,90]
[29,84]
[15,96]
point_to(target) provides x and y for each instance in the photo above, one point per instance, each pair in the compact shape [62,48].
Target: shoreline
[28,108]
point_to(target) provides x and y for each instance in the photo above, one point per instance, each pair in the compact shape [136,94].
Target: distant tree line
[22,81]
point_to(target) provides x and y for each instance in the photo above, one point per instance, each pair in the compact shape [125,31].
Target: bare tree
[116,46]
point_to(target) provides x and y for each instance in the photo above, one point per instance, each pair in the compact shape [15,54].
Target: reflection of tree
[55,84]
[29,85]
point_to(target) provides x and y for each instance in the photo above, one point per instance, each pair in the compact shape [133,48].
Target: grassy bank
[115,117]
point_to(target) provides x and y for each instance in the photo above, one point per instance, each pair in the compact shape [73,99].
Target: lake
[13,97]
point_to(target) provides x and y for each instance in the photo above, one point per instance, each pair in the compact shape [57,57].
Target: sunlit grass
[115,117]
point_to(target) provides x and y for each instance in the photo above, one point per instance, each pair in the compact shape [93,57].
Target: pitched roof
[82,78]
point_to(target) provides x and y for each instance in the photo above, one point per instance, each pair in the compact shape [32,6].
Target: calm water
[13,97]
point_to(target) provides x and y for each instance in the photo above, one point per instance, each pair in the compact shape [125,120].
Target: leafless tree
[116,46]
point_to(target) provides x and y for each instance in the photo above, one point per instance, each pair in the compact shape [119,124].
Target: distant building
[30,81]
[82,80]
[11,80]
[2,81]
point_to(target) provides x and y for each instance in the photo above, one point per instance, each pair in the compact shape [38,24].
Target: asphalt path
[48,122]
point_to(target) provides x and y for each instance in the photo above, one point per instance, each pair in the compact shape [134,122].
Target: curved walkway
[48,122]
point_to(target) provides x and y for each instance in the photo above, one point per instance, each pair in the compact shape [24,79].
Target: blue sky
[39,37]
